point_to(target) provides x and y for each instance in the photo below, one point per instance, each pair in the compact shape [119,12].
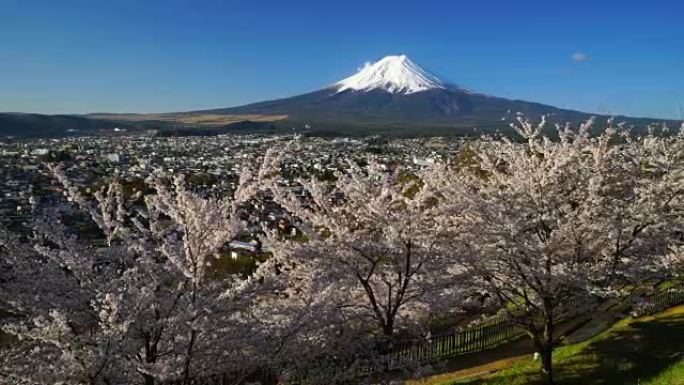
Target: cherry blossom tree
[142,309]
[547,226]
[370,250]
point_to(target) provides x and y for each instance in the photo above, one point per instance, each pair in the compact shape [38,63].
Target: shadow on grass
[630,355]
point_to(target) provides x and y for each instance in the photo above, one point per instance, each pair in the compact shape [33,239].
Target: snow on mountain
[394,74]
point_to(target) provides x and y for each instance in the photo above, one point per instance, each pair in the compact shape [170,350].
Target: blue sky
[75,56]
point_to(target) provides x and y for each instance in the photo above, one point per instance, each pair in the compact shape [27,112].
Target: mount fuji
[396,96]
[393,96]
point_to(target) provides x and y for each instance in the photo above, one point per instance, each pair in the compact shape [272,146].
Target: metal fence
[663,299]
[490,333]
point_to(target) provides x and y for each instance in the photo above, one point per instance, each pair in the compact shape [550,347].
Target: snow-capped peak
[394,74]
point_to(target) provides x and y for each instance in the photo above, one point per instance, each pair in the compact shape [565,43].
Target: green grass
[644,351]
[673,375]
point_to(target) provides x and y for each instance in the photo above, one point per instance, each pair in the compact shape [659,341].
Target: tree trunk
[546,355]
[149,380]
[545,346]
[188,357]
[388,329]
[193,336]
[150,357]
[383,347]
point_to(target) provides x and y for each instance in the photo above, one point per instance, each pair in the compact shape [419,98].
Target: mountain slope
[395,92]
[436,105]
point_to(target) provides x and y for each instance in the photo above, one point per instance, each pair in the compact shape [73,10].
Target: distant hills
[393,96]
[37,125]
[23,125]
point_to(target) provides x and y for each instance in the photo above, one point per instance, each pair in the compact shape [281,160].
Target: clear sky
[75,56]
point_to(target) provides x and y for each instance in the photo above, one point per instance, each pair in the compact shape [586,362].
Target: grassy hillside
[644,351]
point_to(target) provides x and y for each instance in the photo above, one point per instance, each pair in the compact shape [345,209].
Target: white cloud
[579,56]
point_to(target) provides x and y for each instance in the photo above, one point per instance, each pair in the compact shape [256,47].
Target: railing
[488,334]
[661,300]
